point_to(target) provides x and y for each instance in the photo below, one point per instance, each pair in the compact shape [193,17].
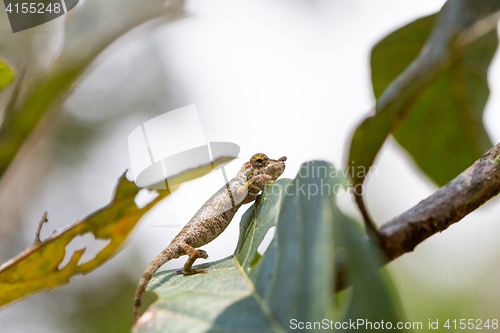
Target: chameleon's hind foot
[192,271]
[193,255]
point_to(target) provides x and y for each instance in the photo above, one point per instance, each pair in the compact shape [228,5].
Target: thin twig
[40,224]
[371,229]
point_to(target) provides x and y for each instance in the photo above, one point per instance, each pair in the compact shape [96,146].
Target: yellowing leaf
[37,268]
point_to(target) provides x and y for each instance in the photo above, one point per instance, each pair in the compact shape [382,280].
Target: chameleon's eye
[259,160]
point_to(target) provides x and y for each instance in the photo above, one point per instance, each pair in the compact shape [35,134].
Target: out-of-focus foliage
[37,268]
[433,104]
[104,308]
[6,74]
[89,29]
[293,279]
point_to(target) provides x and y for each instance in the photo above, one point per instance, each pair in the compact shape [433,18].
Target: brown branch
[448,205]
[452,202]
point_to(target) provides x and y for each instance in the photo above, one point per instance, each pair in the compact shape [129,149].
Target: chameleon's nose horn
[282,159]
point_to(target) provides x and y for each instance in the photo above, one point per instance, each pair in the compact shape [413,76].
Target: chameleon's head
[261,164]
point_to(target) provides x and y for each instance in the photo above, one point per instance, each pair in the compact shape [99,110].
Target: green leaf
[37,268]
[292,280]
[6,74]
[430,81]
[373,297]
[89,29]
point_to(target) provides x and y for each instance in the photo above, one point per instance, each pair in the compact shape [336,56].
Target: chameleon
[213,218]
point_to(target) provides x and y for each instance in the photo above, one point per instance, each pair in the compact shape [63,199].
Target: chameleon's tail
[157,262]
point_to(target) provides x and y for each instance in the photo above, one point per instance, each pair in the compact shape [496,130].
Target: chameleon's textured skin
[213,218]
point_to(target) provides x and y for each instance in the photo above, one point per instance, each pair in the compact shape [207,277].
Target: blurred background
[283,78]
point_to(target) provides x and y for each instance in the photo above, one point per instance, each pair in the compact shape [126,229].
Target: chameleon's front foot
[202,254]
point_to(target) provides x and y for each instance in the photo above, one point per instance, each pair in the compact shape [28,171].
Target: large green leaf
[37,268]
[430,81]
[292,280]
